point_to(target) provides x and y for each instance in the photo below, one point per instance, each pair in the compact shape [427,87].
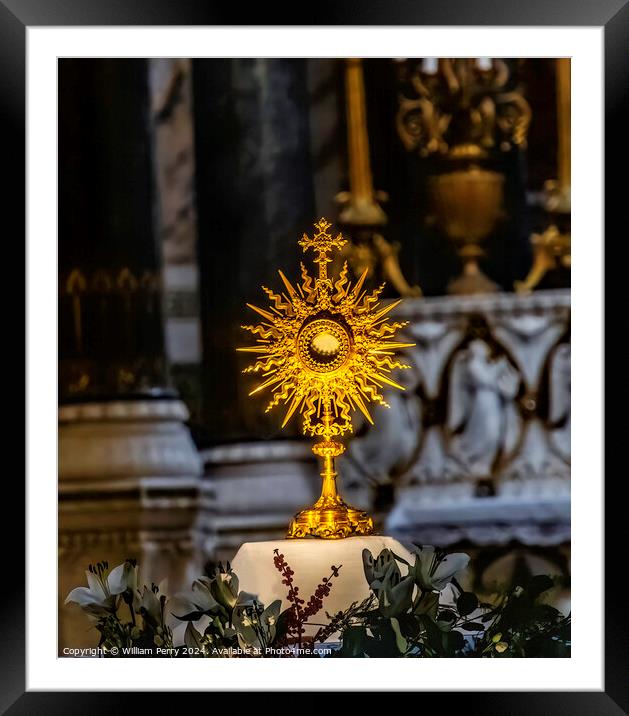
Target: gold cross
[322,243]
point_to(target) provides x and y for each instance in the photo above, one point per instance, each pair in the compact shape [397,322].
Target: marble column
[128,469]
[255,198]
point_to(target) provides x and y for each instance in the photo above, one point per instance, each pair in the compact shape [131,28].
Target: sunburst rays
[324,345]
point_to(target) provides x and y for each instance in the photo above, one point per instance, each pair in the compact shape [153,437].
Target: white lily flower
[99,598]
[123,577]
[199,597]
[432,571]
[151,604]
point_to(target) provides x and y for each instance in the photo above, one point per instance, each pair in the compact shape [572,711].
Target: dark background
[270,154]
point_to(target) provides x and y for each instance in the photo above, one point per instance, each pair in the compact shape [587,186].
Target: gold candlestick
[361,207]
[552,248]
[326,350]
[361,213]
[563,122]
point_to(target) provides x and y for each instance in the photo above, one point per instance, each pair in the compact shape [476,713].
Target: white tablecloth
[311,560]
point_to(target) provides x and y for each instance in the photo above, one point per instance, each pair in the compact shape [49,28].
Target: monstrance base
[330,522]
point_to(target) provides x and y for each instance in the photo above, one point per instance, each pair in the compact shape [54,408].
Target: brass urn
[465,205]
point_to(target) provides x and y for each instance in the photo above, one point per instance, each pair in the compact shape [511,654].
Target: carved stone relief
[494,421]
[128,487]
[482,420]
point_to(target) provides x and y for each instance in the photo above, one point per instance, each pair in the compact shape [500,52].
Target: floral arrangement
[409,613]
[108,594]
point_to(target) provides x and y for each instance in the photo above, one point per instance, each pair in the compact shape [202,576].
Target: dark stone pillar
[111,342]
[128,469]
[255,199]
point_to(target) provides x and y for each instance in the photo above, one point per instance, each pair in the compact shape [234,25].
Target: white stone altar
[311,560]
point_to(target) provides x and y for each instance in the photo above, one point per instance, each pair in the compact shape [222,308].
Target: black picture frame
[17,15]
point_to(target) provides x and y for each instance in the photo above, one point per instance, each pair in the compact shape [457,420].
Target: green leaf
[427,603]
[273,610]
[433,633]
[446,615]
[400,641]
[192,638]
[269,618]
[394,594]
[282,624]
[410,625]
[455,641]
[400,559]
[473,626]
[466,603]
[368,564]
[385,565]
[354,640]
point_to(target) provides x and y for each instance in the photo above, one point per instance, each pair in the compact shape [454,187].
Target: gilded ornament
[325,349]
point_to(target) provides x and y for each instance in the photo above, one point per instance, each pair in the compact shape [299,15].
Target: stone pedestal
[128,484]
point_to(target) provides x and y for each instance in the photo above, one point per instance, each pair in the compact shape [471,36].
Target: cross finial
[322,243]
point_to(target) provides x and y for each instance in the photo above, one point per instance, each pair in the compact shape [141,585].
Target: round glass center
[323,345]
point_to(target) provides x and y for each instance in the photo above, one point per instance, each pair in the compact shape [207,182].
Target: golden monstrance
[325,349]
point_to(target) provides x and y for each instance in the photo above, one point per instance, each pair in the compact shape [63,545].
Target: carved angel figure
[560,401]
[482,416]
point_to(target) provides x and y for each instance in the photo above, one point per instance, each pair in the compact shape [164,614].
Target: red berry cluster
[315,603]
[296,616]
[295,619]
[284,569]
